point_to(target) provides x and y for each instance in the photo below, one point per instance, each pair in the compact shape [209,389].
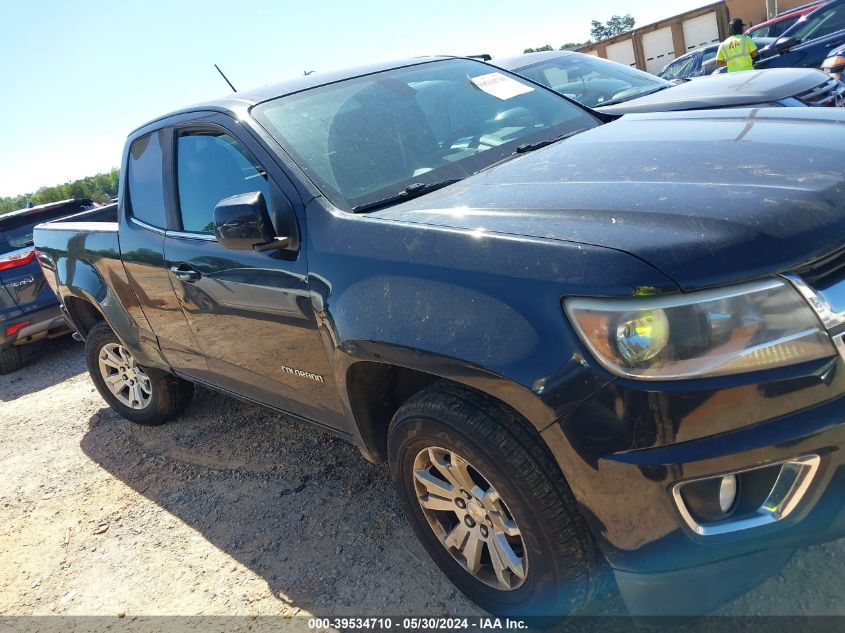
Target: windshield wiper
[530,147]
[413,190]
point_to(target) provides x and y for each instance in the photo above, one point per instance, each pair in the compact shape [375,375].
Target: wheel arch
[378,382]
[83,314]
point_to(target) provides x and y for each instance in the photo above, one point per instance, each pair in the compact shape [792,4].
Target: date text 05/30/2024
[415,623]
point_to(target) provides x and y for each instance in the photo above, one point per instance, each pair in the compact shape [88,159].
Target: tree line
[100,188]
[616,25]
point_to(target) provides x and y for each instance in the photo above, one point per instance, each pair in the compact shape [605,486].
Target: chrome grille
[828,93]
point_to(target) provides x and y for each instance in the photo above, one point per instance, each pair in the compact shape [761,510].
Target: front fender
[483,309]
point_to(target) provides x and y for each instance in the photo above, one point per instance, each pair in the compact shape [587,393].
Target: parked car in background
[810,41]
[617,89]
[835,63]
[29,310]
[701,61]
[554,325]
[589,80]
[782,22]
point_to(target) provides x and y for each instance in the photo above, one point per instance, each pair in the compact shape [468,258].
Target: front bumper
[44,323]
[700,590]
[624,450]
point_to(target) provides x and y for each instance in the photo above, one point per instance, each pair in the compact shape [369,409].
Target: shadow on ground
[46,363]
[301,509]
[323,527]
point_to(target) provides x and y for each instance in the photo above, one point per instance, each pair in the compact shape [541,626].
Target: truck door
[250,311]
[142,233]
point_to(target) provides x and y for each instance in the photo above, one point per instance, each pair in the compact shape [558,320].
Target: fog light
[727,493]
[711,500]
[746,499]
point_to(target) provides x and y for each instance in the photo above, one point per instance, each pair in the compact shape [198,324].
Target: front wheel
[489,504]
[141,395]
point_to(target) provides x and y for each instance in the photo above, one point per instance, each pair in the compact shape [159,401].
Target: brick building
[653,46]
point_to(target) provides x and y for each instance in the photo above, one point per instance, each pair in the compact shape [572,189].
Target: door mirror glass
[241,222]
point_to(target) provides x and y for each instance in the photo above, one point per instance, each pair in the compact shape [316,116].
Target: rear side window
[144,179]
[212,166]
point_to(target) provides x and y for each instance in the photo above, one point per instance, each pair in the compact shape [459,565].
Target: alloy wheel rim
[127,382]
[470,519]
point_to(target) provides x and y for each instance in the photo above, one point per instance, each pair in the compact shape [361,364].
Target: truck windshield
[366,139]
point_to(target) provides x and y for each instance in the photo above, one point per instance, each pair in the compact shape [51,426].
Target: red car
[780,23]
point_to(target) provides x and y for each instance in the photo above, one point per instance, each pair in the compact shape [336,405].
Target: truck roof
[253,96]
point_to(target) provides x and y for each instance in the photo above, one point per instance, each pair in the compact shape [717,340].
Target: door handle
[186,273]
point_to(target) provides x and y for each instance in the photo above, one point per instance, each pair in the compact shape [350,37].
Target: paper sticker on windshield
[500,86]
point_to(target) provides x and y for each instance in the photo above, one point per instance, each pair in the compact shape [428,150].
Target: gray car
[617,89]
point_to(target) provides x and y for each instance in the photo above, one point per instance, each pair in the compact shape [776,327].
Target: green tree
[616,25]
[99,188]
[571,46]
[547,47]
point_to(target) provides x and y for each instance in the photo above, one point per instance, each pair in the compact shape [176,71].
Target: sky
[79,76]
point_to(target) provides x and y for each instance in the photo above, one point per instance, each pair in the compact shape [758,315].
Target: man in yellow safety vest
[739,51]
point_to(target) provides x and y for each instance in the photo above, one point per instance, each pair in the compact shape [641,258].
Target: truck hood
[706,197]
[729,90]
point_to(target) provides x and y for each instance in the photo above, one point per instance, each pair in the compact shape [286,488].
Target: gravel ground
[230,510]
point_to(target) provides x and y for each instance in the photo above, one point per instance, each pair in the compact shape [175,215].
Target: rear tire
[447,431]
[10,360]
[162,397]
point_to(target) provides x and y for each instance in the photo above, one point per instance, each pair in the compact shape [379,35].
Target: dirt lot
[229,510]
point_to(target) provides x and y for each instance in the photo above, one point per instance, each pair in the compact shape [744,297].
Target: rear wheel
[490,505]
[141,395]
[10,360]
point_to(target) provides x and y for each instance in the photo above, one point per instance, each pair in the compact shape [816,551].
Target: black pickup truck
[576,340]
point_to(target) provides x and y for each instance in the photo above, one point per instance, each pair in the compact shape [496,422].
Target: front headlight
[743,328]
[831,63]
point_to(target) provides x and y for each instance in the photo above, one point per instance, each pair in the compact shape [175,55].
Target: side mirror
[241,222]
[784,44]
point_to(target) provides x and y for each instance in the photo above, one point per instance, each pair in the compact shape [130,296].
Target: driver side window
[211,166]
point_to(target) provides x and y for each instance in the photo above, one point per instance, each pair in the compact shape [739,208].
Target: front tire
[489,504]
[141,395]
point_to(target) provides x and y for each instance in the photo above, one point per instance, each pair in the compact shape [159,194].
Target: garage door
[658,49]
[701,31]
[622,52]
